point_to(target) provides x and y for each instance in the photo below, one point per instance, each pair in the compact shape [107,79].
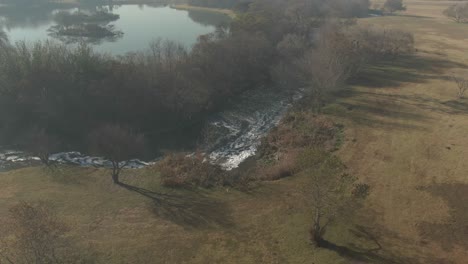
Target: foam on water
[14,159]
[247,122]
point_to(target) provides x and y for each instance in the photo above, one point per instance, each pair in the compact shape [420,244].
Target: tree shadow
[360,255]
[376,251]
[411,68]
[453,231]
[377,111]
[457,106]
[190,210]
[427,103]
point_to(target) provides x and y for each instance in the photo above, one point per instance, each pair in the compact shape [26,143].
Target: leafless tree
[327,67]
[376,43]
[42,145]
[457,12]
[462,85]
[117,144]
[333,192]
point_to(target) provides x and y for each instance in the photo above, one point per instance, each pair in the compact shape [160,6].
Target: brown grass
[405,135]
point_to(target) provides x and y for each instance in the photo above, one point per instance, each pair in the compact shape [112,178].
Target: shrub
[393,5]
[299,130]
[285,166]
[179,171]
[37,235]
[377,42]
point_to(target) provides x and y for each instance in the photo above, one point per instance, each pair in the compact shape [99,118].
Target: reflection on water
[140,25]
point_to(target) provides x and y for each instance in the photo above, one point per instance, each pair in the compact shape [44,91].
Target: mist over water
[140,25]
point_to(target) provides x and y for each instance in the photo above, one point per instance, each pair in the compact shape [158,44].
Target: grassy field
[410,141]
[405,134]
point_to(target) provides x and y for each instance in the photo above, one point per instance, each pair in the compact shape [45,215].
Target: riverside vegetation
[76,97]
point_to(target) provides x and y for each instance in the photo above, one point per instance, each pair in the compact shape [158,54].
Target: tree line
[68,93]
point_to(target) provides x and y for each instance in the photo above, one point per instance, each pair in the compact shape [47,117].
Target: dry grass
[148,222]
[406,136]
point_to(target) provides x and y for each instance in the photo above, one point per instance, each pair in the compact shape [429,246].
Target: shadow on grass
[190,210]
[411,68]
[358,255]
[453,231]
[457,106]
[392,111]
[427,103]
[376,251]
[376,111]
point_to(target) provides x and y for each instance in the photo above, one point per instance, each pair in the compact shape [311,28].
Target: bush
[37,235]
[181,171]
[284,167]
[299,130]
[377,42]
[393,5]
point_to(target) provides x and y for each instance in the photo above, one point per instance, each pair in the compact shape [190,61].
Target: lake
[140,25]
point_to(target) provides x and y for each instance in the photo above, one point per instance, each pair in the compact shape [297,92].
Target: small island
[95,26]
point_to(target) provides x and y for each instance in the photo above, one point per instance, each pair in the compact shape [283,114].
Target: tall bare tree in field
[333,192]
[117,144]
[327,67]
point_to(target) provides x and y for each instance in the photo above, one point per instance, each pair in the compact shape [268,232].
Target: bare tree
[457,12]
[327,67]
[42,145]
[117,144]
[462,85]
[333,192]
[392,6]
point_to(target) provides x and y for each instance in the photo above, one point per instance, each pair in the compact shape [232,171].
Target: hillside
[406,135]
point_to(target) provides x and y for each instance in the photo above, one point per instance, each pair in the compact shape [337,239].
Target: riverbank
[404,135]
[226,12]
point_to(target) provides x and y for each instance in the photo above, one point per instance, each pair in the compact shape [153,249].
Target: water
[234,134]
[238,130]
[140,25]
[11,159]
